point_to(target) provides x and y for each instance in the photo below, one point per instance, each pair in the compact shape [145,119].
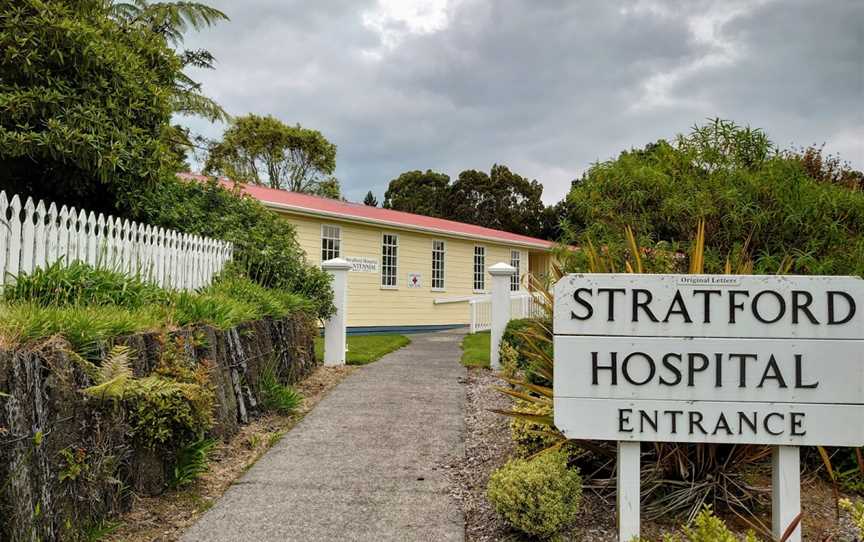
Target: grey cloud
[544,87]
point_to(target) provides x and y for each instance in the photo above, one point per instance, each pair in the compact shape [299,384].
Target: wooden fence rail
[36,235]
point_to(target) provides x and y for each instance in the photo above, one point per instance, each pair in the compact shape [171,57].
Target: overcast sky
[545,87]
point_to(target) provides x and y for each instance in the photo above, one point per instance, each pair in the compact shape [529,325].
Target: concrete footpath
[361,465]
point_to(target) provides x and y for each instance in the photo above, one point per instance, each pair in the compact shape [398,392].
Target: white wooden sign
[362,264]
[773,360]
[415,280]
[757,306]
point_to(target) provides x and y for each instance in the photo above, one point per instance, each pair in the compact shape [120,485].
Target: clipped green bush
[706,527]
[540,496]
[856,511]
[531,437]
[509,361]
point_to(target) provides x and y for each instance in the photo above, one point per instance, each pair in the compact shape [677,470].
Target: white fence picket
[28,235]
[33,238]
[40,238]
[51,233]
[5,231]
[92,238]
[14,259]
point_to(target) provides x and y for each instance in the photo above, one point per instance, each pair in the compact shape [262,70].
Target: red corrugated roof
[283,199]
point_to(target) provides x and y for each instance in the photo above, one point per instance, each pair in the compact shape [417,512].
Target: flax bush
[677,478]
[540,496]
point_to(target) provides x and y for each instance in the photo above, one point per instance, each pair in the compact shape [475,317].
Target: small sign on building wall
[415,280]
[362,264]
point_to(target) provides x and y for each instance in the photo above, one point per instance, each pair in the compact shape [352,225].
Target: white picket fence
[35,235]
[522,305]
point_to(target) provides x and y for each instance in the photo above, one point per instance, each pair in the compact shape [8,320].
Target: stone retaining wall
[67,461]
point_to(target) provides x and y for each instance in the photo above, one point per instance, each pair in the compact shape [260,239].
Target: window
[437,265]
[331,241]
[389,260]
[479,269]
[515,259]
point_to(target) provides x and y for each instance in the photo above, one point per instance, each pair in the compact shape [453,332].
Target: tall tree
[87,91]
[264,150]
[419,192]
[501,200]
[370,199]
[750,197]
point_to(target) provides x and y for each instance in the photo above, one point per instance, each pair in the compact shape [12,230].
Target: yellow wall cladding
[370,304]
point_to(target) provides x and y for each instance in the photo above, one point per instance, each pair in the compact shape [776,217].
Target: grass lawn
[363,349]
[475,350]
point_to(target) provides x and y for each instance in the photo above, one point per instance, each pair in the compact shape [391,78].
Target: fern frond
[187,102]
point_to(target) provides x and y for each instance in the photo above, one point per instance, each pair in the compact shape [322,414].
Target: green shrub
[707,527]
[856,510]
[540,496]
[265,246]
[531,437]
[735,180]
[513,337]
[217,310]
[272,302]
[173,406]
[163,410]
[509,360]
[516,336]
[81,284]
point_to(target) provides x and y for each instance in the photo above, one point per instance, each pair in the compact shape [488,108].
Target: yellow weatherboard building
[409,271]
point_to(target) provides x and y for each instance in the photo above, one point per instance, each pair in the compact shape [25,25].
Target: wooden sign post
[775,360]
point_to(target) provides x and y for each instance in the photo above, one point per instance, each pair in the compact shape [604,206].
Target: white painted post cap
[336,264]
[502,269]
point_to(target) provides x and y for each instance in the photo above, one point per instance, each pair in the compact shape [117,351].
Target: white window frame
[384,265]
[443,253]
[515,280]
[479,277]
[338,242]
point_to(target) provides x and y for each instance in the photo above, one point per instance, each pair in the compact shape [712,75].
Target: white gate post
[501,273]
[628,485]
[335,328]
[785,490]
